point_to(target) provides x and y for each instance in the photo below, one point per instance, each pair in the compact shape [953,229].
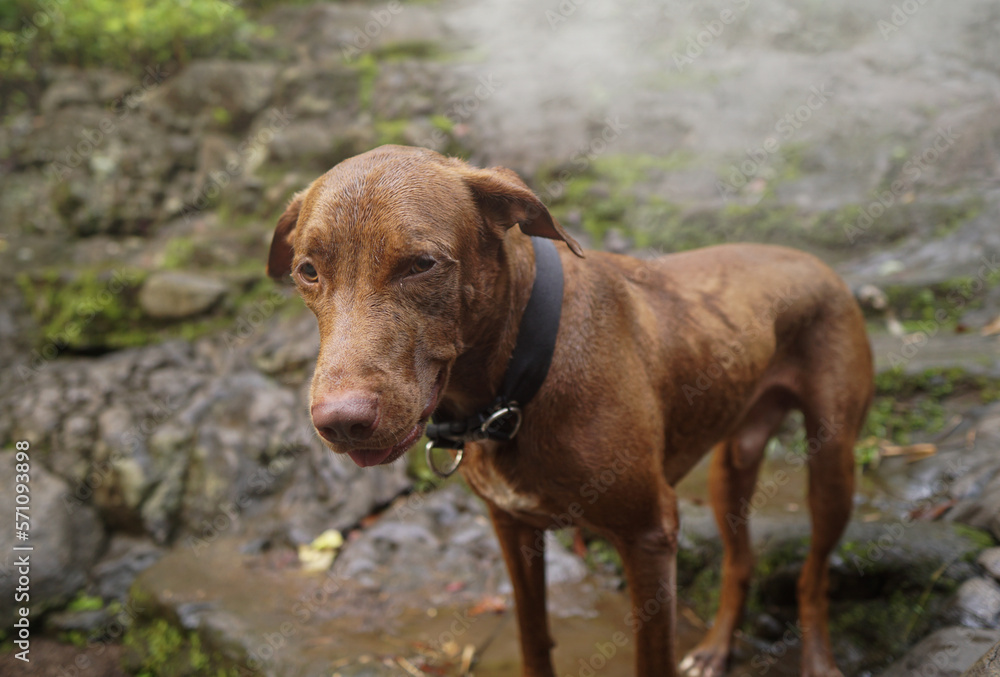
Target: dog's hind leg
[835,400]
[830,446]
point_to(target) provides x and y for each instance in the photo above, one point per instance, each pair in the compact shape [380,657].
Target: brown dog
[418,281]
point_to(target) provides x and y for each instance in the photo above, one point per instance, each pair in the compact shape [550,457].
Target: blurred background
[185,521]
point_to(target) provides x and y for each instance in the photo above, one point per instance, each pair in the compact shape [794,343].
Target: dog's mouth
[366,458]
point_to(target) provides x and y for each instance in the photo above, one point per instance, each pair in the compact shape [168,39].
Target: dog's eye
[307,272]
[422,265]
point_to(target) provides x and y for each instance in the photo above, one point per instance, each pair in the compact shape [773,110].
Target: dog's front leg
[650,560]
[524,552]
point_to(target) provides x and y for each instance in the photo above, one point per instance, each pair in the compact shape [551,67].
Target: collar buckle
[501,423]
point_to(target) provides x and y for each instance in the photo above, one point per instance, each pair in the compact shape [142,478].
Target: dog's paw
[705,662]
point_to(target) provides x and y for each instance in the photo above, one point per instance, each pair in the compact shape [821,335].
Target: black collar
[528,365]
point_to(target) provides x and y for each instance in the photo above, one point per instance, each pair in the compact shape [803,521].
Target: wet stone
[945,653]
[66,539]
[127,556]
[172,295]
[988,665]
[989,559]
[977,603]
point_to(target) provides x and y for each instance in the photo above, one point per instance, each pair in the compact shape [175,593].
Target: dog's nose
[346,417]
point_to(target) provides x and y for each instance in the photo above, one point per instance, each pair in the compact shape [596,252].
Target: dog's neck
[478,372]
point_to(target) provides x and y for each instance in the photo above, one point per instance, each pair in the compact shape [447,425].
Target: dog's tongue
[369,457]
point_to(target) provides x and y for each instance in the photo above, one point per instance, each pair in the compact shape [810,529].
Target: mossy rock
[409,49]
[893,576]
[94,311]
[937,383]
[158,645]
[619,191]
[158,648]
[83,311]
[908,405]
[940,305]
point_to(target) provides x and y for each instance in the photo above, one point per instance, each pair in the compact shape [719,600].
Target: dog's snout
[346,417]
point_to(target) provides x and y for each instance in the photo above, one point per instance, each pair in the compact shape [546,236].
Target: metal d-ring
[499,415]
[443,474]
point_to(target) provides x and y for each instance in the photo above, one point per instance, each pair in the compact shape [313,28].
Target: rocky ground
[159,378]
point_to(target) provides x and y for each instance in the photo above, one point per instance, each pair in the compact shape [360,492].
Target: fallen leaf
[934,511]
[490,604]
[331,539]
[991,328]
[468,653]
[319,555]
[311,559]
[921,450]
[409,667]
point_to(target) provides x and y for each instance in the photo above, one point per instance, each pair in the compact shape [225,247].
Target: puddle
[585,647]
[280,621]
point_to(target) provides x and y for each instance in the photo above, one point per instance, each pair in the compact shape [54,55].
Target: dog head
[394,251]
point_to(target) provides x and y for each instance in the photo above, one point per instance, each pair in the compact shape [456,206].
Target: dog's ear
[504,199]
[279,259]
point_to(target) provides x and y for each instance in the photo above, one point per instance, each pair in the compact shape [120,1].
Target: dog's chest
[493,486]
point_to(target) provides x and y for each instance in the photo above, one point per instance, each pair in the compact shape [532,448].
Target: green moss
[178,253]
[867,451]
[443,123]
[979,539]
[367,67]
[602,190]
[619,191]
[127,35]
[85,310]
[160,649]
[702,593]
[602,555]
[790,553]
[86,603]
[408,49]
[160,643]
[908,407]
[790,164]
[875,225]
[939,306]
[900,616]
[895,421]
[93,311]
[937,383]
[906,404]
[221,116]
[74,637]
[391,131]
